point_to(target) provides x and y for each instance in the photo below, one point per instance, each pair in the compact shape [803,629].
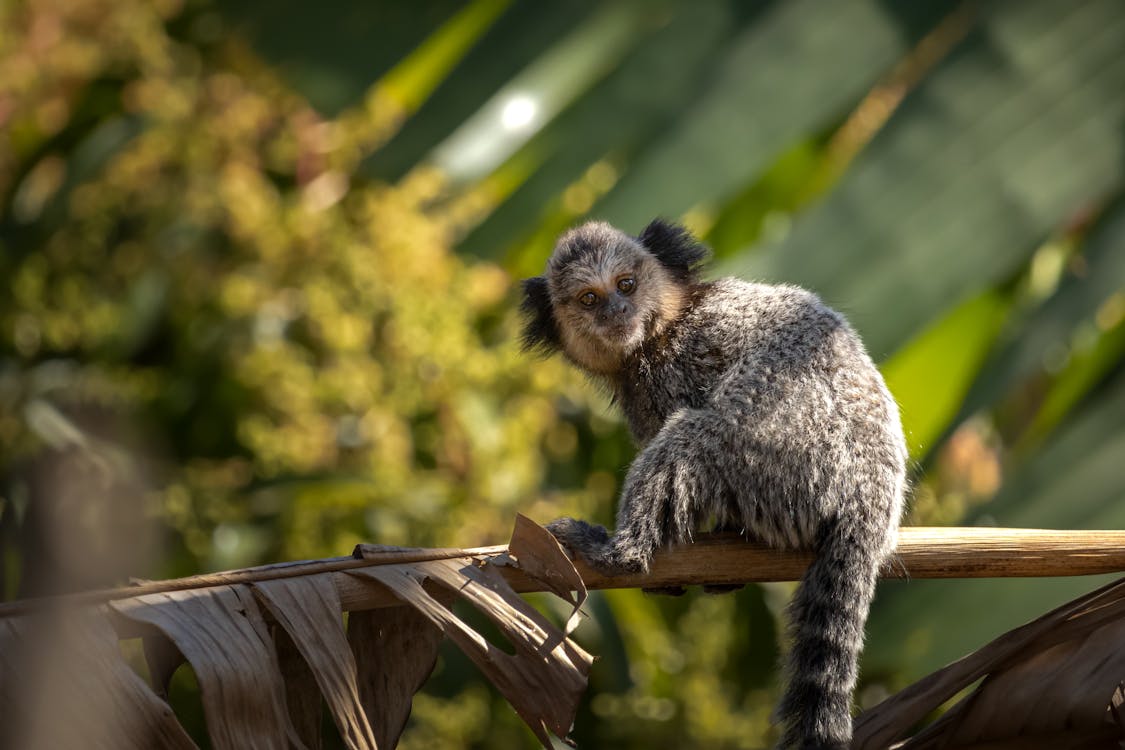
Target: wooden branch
[923,552]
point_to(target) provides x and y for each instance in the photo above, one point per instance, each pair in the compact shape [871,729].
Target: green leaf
[1085,370]
[800,66]
[929,376]
[538,93]
[416,76]
[1015,131]
[616,118]
[517,38]
[1046,333]
[1074,482]
[333,52]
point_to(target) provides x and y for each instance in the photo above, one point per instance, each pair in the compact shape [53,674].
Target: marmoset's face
[600,299]
[606,290]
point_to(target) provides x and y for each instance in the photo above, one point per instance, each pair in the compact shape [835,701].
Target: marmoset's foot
[666,590]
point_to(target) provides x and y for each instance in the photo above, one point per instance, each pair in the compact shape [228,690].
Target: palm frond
[265,652]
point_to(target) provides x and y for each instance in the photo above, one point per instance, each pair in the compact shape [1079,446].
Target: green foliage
[259,290]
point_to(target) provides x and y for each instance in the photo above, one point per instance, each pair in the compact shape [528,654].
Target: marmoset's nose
[613,309]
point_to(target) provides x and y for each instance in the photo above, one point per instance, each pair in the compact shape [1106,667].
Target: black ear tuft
[540,331]
[675,247]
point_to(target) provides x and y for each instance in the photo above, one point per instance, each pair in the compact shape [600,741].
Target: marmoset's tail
[826,621]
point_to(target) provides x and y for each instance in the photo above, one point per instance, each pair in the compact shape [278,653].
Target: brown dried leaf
[546,676]
[1053,675]
[539,555]
[551,663]
[395,651]
[259,686]
[222,634]
[308,608]
[163,659]
[63,683]
[1065,689]
[302,694]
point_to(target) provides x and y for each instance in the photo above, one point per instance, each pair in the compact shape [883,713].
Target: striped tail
[827,617]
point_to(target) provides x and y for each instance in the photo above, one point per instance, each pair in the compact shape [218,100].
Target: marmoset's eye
[588,299]
[626,285]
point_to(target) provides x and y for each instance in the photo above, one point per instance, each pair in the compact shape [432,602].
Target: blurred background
[260,267]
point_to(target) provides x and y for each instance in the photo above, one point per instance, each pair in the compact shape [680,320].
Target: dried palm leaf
[63,684]
[395,651]
[1052,683]
[267,645]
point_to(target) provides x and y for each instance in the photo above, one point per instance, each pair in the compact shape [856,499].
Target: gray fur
[757,407]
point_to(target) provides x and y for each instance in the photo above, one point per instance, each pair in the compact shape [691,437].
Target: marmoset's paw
[578,535]
[617,559]
[593,544]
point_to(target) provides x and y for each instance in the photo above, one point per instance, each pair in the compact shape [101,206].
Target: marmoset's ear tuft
[675,247]
[540,331]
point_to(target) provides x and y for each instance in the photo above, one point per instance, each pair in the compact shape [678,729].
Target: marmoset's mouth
[621,333]
[618,326]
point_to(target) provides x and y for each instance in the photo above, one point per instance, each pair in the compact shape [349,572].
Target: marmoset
[755,407]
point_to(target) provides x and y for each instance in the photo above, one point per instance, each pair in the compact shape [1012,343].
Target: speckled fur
[755,406]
